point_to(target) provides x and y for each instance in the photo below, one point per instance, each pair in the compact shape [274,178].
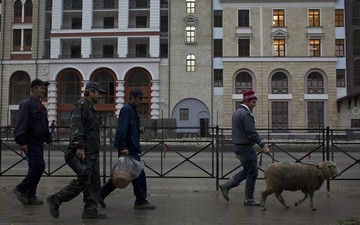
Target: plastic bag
[126,170]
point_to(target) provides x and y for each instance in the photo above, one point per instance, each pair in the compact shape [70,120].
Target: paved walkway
[185,202]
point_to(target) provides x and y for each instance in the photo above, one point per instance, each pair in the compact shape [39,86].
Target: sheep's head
[329,169]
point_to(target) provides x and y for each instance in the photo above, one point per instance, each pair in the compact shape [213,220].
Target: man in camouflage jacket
[83,156]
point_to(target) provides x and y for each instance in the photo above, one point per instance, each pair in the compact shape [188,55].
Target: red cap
[249,95]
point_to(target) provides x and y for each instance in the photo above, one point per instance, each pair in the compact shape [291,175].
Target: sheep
[296,176]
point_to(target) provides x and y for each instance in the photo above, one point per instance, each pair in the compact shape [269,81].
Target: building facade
[192,58]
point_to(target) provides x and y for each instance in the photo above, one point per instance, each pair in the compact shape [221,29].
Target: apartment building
[289,52]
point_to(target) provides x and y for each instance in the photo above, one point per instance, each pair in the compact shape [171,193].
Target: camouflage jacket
[84,128]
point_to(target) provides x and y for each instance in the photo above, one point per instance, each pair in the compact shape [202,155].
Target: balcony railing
[104,56]
[139,4]
[101,4]
[138,55]
[70,56]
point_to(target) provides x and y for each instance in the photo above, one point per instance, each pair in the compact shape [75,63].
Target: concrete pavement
[185,202]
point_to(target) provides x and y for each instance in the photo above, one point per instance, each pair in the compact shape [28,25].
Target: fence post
[217,157]
[327,152]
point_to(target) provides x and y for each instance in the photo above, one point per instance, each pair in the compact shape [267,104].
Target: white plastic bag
[126,170]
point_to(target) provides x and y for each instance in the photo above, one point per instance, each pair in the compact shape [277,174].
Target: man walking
[244,137]
[83,156]
[127,140]
[31,132]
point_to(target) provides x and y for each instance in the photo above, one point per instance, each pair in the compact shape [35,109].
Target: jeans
[248,159]
[36,164]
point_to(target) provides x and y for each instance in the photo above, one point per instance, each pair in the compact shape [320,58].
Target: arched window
[356,12]
[190,63]
[357,73]
[279,83]
[138,79]
[243,82]
[19,87]
[70,88]
[28,11]
[315,83]
[106,81]
[17,11]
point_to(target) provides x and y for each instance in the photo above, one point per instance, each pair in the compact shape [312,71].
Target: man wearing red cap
[244,137]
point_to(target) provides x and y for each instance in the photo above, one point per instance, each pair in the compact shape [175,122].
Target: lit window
[279,47]
[339,48]
[190,34]
[218,77]
[314,17]
[278,18]
[190,6]
[339,17]
[315,83]
[184,114]
[314,47]
[190,63]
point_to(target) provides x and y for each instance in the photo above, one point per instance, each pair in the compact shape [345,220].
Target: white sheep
[296,176]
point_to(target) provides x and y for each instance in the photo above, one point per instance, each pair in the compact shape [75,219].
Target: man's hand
[80,153]
[51,145]
[124,152]
[23,150]
[265,149]
[142,130]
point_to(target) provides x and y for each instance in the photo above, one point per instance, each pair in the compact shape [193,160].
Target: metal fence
[198,152]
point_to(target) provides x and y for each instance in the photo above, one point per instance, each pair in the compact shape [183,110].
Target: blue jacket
[243,128]
[127,135]
[32,125]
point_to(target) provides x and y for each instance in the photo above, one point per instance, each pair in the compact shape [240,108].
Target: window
[163,50]
[315,83]
[243,82]
[244,47]
[17,11]
[138,79]
[356,42]
[218,77]
[340,78]
[19,87]
[279,83]
[218,48]
[109,4]
[355,13]
[141,21]
[184,114]
[314,17]
[357,73]
[339,17]
[70,88]
[108,22]
[278,17]
[28,8]
[106,80]
[16,40]
[315,113]
[314,47]
[339,48]
[27,39]
[76,23]
[218,18]
[164,27]
[243,18]
[190,34]
[279,47]
[190,6]
[75,51]
[141,50]
[108,51]
[190,63]
[279,115]
[355,123]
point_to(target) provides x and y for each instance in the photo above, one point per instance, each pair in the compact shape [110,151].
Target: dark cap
[38,82]
[96,86]
[137,92]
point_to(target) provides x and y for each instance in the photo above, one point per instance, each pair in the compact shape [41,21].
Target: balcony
[138,48]
[139,4]
[104,48]
[104,5]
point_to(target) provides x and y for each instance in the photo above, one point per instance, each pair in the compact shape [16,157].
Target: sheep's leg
[279,196]
[264,195]
[303,199]
[311,201]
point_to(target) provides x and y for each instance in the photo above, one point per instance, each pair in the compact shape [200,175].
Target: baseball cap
[137,92]
[38,82]
[96,86]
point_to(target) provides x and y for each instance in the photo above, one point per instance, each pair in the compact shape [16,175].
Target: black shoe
[92,214]
[102,203]
[251,202]
[144,206]
[35,201]
[53,206]
[20,196]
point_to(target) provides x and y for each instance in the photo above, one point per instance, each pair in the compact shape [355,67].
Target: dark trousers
[36,165]
[139,187]
[87,182]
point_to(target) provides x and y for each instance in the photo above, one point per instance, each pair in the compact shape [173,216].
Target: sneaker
[102,203]
[53,206]
[92,214]
[251,202]
[224,192]
[144,206]
[35,201]
[20,196]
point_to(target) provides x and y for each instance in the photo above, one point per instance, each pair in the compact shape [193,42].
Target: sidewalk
[185,202]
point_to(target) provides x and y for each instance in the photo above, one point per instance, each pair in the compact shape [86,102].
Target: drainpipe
[37,40]
[2,58]
[169,61]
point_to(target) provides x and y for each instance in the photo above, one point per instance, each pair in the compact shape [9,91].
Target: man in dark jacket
[244,137]
[31,132]
[83,156]
[127,141]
